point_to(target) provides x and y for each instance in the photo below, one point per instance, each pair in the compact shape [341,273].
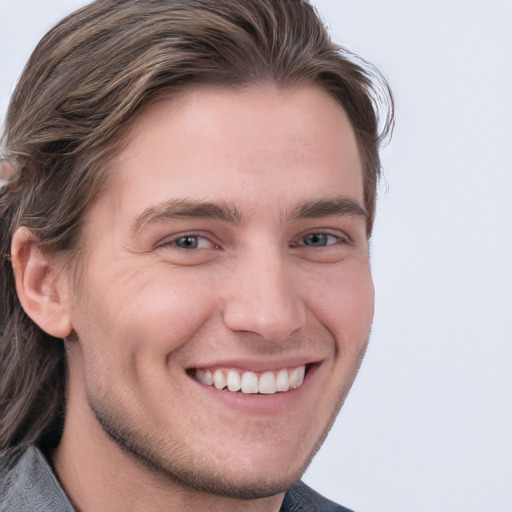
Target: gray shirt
[31,485]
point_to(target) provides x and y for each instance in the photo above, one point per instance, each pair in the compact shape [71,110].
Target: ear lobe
[41,285]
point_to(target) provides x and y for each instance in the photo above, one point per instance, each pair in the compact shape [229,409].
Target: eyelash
[174,241]
[338,240]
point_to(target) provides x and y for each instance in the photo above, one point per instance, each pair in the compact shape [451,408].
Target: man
[187,297]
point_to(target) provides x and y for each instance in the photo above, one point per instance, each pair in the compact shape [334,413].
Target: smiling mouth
[251,383]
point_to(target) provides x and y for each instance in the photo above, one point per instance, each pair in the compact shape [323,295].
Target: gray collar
[32,485]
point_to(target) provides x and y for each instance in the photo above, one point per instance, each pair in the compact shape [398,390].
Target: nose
[264,298]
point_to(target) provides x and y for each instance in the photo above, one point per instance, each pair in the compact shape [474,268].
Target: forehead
[260,147]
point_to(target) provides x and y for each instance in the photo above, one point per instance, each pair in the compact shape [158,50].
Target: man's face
[230,251]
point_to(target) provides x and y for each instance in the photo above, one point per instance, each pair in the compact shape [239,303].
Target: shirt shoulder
[301,498]
[30,484]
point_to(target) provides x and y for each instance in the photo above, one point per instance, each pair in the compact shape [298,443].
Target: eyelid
[171,239]
[341,236]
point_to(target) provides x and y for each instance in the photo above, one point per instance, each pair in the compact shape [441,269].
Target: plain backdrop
[428,424]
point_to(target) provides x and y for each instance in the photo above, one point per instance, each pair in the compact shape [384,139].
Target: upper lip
[259,365]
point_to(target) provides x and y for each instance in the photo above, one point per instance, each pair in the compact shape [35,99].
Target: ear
[41,284]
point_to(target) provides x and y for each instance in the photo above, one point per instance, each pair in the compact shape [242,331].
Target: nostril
[271,322]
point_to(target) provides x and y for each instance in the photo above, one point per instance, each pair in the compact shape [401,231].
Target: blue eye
[188,242]
[191,242]
[320,240]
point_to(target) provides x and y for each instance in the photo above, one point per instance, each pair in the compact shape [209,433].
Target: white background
[428,425]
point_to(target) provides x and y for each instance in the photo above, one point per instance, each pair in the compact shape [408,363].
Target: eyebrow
[179,208]
[330,206]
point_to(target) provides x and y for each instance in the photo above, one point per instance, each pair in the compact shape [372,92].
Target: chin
[248,488]
[245,471]
[245,476]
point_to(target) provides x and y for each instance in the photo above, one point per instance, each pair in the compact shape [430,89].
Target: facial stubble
[199,475]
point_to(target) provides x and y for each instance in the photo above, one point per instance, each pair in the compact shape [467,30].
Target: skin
[275,274]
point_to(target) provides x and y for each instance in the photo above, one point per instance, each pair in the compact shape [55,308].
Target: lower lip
[260,403]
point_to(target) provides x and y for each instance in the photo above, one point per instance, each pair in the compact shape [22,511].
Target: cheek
[344,303]
[130,316]
[130,327]
[169,308]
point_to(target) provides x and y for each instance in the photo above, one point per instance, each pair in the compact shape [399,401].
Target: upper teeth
[248,382]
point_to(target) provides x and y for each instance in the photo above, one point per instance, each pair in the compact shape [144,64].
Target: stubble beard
[198,474]
[191,474]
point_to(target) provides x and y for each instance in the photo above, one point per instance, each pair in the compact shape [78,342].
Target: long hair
[69,116]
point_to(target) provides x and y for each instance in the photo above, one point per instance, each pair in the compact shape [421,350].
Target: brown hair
[80,90]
